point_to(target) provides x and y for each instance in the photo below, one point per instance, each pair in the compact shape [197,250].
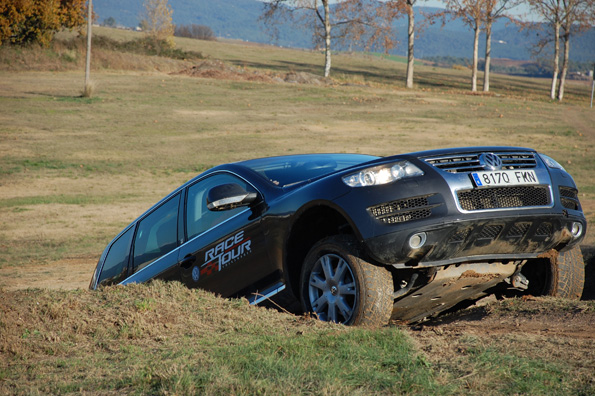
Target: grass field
[74,171]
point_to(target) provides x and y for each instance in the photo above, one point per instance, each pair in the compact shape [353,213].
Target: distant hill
[239,19]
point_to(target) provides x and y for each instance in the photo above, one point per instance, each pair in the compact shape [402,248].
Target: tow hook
[406,288]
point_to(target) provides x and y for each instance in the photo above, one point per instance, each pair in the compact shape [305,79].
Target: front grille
[415,208]
[569,198]
[503,197]
[461,163]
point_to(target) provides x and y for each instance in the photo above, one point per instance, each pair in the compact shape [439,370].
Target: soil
[485,319]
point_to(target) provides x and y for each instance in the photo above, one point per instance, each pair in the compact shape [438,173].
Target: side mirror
[229,196]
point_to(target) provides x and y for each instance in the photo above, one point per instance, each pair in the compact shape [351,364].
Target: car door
[226,250]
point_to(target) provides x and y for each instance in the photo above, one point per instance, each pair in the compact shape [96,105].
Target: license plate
[504,178]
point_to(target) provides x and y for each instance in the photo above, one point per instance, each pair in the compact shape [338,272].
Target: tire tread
[569,274]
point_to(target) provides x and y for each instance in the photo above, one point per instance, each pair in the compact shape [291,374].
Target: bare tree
[353,20]
[551,12]
[405,7]
[471,12]
[565,18]
[410,41]
[578,16]
[493,10]
[200,32]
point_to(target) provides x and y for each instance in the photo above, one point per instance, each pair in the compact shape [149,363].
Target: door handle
[187,262]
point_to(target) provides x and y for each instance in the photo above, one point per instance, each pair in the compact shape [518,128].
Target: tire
[338,285]
[568,271]
[559,275]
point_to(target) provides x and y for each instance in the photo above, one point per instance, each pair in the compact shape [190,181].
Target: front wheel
[339,286]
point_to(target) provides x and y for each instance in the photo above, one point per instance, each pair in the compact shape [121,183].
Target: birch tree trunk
[475,56]
[564,65]
[411,38]
[556,59]
[488,58]
[327,39]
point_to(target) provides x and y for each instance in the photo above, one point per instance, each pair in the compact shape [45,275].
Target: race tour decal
[225,253]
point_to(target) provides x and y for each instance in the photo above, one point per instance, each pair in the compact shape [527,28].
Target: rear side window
[157,234]
[115,265]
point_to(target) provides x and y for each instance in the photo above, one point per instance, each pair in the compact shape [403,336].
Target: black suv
[358,239]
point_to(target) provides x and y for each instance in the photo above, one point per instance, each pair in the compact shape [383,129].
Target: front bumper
[459,222]
[497,238]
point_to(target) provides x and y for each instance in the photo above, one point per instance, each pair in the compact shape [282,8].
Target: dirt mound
[220,70]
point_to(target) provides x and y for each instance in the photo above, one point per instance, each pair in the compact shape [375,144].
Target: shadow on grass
[370,73]
[428,77]
[455,314]
[67,98]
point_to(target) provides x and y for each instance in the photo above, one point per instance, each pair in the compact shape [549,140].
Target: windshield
[287,170]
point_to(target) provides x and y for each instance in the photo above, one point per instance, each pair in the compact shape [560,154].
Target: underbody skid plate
[449,286]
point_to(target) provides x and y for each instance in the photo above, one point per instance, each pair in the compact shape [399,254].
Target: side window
[198,217]
[115,265]
[157,234]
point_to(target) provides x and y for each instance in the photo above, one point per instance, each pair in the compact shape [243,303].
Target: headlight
[550,162]
[382,174]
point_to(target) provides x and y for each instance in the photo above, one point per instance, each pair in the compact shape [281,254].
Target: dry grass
[74,171]
[89,90]
[163,338]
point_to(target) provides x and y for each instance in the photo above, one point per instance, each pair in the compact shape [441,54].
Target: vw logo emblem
[195,273]
[490,161]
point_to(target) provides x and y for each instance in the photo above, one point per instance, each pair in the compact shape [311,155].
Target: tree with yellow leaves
[157,22]
[36,21]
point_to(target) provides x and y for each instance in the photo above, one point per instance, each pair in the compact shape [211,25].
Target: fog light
[577,229]
[417,240]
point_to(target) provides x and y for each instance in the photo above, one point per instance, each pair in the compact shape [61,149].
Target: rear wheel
[339,286]
[562,275]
